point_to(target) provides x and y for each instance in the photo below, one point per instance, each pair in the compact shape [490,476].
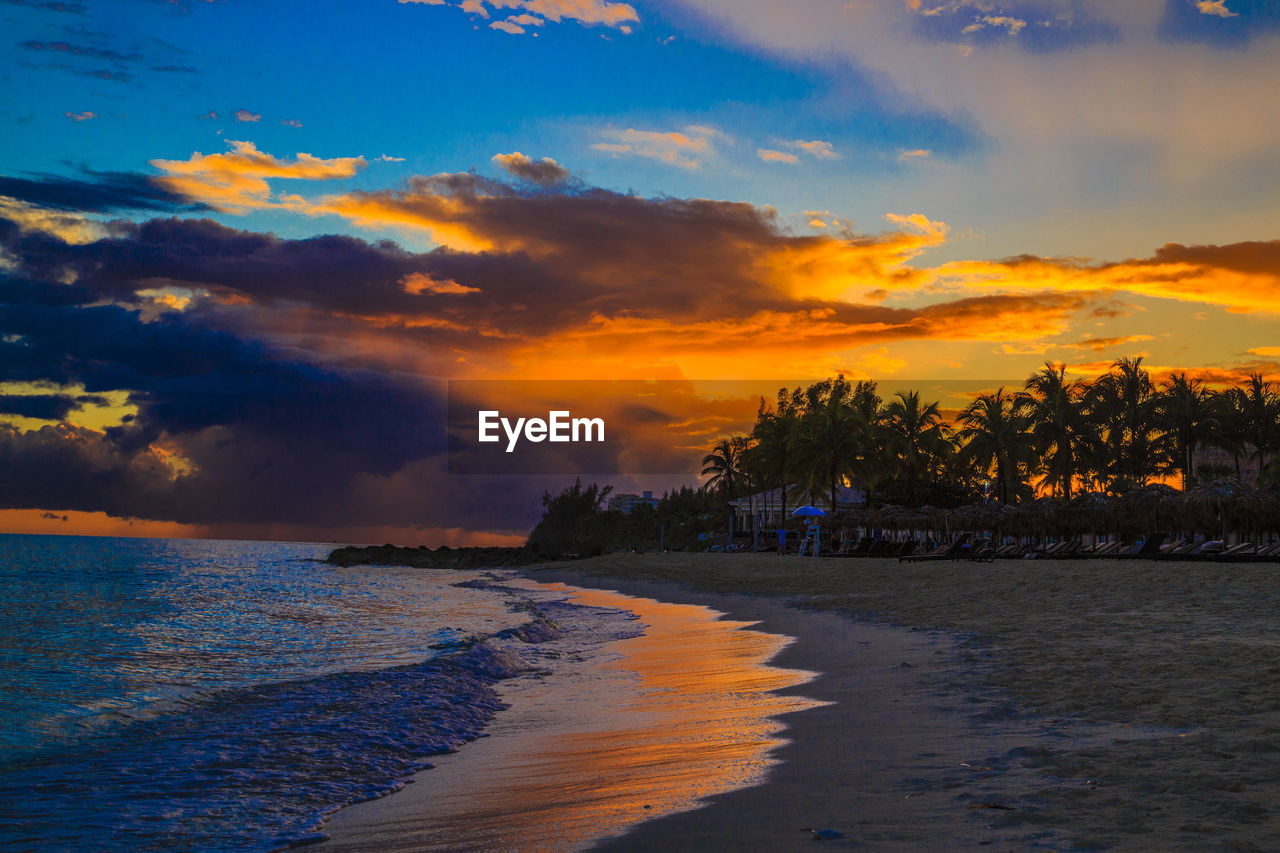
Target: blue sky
[439,87]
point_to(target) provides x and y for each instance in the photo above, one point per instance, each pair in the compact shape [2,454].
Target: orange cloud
[1100,344]
[236,180]
[1241,277]
[770,155]
[687,148]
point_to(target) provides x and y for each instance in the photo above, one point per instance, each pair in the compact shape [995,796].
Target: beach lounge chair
[1068,550]
[1236,553]
[1179,552]
[857,550]
[942,552]
[1046,551]
[981,553]
[1148,549]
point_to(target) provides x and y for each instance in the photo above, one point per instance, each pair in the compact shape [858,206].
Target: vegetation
[1054,437]
[1072,442]
[577,521]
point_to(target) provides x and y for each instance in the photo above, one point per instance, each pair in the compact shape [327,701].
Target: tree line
[1054,436]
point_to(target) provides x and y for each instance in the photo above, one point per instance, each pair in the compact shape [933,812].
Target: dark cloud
[53,407]
[50,6]
[1225,24]
[546,171]
[81,50]
[1250,257]
[96,192]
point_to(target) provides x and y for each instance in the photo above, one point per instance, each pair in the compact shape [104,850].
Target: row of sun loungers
[1153,547]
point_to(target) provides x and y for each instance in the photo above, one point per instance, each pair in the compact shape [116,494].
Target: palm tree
[1184,415]
[914,433]
[1262,417]
[1124,404]
[830,441]
[996,437]
[1229,410]
[1059,428]
[776,433]
[724,465]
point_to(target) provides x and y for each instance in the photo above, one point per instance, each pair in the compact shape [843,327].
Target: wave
[261,768]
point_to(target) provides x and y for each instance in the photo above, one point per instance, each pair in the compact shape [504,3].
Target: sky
[244,247]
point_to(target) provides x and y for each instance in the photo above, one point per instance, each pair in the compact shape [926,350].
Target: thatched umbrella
[1156,506]
[1046,515]
[1090,511]
[1228,505]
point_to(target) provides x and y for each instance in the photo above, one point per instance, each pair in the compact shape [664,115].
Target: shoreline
[624,732]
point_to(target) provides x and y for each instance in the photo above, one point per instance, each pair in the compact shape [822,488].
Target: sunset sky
[243,245]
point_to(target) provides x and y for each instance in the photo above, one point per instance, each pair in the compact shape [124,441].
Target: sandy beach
[1086,705]
[1177,663]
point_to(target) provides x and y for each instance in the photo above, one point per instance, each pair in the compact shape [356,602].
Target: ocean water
[211,695]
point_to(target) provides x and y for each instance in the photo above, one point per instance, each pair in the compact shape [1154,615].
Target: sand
[1013,705]
[1186,656]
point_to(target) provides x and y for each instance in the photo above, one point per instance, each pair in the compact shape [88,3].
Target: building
[768,504]
[1211,463]
[625,502]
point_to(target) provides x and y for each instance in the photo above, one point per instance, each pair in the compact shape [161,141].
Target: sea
[163,694]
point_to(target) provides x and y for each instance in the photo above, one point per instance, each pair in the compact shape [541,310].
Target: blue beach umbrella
[806,511]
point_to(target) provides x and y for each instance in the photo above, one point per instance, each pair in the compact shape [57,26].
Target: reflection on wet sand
[635,729]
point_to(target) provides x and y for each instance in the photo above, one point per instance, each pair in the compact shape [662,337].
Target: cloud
[583,11]
[97,192]
[418,283]
[770,155]
[287,381]
[546,171]
[915,154]
[237,179]
[209,115]
[70,8]
[82,116]
[1100,344]
[1268,352]
[536,13]
[814,147]
[81,51]
[1039,28]
[245,115]
[1217,8]
[1122,106]
[688,148]
[291,122]
[1241,277]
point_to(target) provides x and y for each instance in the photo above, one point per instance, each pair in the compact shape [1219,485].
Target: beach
[1052,705]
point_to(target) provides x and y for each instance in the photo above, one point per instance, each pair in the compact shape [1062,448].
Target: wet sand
[600,738]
